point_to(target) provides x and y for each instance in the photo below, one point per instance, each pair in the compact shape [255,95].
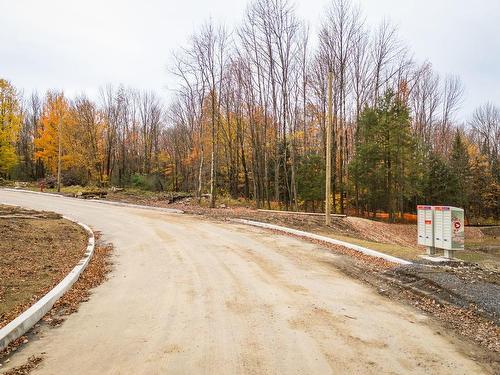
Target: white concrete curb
[112,203]
[20,325]
[32,192]
[313,236]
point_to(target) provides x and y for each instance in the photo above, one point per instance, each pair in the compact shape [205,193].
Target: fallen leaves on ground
[466,322]
[95,273]
[38,249]
[32,363]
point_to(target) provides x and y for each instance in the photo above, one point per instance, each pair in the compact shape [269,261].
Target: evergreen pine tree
[460,169]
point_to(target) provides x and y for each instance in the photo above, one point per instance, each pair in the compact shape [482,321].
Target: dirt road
[189,296]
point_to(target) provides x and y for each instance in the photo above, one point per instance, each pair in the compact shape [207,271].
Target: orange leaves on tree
[55,116]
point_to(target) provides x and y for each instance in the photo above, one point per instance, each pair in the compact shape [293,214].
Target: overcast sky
[78,46]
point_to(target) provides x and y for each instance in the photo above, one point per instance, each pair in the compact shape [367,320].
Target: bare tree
[425,100]
[452,96]
[385,50]
[192,91]
[485,124]
[150,116]
[32,109]
[338,37]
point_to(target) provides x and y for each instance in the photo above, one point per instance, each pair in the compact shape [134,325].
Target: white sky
[79,46]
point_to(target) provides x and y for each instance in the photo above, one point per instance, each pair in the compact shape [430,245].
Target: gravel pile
[462,284]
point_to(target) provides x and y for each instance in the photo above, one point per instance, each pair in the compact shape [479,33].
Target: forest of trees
[248,119]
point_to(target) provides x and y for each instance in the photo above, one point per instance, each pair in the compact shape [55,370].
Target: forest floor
[37,250]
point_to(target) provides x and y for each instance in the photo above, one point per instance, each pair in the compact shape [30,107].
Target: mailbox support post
[450,254]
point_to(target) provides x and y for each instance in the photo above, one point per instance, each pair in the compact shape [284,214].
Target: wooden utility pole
[59,155]
[328,179]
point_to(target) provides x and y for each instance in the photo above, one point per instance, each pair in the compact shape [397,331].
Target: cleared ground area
[191,296]
[37,250]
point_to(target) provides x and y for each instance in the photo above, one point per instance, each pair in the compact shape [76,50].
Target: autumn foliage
[248,119]
[10,124]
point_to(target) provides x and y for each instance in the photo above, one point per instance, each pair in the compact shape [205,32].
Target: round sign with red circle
[457,224]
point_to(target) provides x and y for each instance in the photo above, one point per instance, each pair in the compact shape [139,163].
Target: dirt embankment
[397,234]
[37,250]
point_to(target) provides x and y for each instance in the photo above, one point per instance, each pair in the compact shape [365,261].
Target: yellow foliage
[10,122]
[86,135]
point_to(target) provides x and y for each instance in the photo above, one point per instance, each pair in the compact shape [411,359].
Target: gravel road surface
[189,296]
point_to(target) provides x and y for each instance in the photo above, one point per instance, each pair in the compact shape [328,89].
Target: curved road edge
[329,240]
[24,322]
[361,249]
[112,203]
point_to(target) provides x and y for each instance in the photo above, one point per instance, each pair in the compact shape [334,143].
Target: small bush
[73,177]
[50,182]
[147,182]
[226,199]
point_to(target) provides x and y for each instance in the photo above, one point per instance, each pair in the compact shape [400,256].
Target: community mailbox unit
[441,227]
[425,219]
